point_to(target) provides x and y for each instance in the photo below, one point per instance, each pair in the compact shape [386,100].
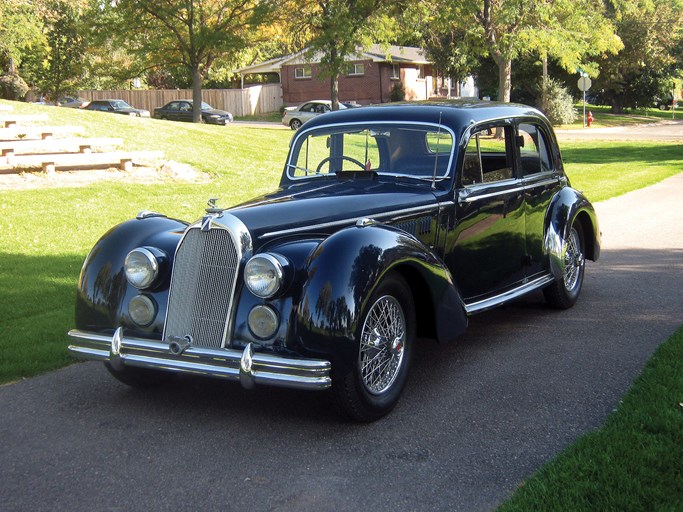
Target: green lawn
[603,117]
[635,462]
[45,234]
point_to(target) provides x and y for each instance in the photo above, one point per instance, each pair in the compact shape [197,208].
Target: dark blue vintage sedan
[390,224]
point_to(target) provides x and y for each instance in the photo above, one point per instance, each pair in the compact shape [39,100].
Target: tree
[507,29]
[20,31]
[652,32]
[189,33]
[63,63]
[337,29]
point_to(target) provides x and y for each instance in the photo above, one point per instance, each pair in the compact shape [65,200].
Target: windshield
[206,106]
[120,105]
[422,151]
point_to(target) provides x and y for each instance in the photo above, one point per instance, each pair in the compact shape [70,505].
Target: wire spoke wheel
[382,343]
[574,261]
[385,336]
[563,293]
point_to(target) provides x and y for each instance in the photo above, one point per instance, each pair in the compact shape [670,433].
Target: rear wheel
[386,336]
[563,293]
[295,124]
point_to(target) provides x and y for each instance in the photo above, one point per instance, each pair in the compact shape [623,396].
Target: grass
[633,463]
[603,117]
[46,233]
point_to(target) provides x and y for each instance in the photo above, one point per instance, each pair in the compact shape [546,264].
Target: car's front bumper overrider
[246,366]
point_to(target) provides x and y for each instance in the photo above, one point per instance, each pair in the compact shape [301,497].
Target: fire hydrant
[589,119]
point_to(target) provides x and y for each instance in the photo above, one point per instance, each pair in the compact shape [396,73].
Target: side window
[533,150]
[488,156]
[308,107]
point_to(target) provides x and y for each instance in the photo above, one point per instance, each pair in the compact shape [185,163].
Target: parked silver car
[294,117]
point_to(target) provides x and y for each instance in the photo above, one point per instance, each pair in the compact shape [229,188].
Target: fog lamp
[142,310]
[263,322]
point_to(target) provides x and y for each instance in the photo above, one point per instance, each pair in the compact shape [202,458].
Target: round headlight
[263,275]
[142,310]
[263,322]
[141,267]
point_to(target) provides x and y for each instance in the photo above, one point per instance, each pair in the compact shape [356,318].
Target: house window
[303,72]
[395,72]
[356,69]
[420,72]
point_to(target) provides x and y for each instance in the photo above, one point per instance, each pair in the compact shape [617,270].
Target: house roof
[376,53]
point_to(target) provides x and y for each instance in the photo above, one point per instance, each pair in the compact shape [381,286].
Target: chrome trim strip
[351,221]
[246,366]
[492,302]
[471,199]
[531,184]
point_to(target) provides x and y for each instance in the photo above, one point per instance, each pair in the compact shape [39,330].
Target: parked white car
[294,117]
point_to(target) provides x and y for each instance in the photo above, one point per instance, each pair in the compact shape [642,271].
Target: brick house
[370,77]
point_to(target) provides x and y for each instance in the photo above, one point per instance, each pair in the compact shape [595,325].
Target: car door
[184,111]
[485,248]
[171,111]
[542,178]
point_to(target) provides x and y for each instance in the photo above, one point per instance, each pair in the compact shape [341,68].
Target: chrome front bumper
[245,366]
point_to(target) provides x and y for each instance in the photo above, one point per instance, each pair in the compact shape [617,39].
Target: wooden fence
[257,99]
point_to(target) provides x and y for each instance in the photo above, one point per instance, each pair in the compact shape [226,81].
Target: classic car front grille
[202,287]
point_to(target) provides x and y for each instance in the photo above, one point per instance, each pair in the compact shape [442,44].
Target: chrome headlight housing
[264,275]
[141,267]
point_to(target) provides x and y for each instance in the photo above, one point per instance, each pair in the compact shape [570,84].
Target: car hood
[328,205]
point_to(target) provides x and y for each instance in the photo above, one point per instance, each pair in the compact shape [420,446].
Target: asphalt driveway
[477,419]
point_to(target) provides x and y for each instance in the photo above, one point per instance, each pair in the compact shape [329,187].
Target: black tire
[386,336]
[138,377]
[295,124]
[563,293]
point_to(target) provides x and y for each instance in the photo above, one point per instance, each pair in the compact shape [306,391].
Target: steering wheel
[342,157]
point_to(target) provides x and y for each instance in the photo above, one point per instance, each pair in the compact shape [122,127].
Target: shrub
[398,92]
[556,102]
[12,87]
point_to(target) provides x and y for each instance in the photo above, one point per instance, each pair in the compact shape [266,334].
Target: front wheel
[386,335]
[562,294]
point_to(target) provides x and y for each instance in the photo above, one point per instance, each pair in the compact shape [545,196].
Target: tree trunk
[334,91]
[504,78]
[334,79]
[196,95]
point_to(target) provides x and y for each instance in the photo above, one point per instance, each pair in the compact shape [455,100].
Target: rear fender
[567,207]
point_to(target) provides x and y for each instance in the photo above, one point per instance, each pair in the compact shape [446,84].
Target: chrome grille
[202,287]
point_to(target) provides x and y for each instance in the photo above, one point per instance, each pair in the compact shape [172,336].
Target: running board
[492,302]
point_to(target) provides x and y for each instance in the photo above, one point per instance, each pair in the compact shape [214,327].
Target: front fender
[569,206]
[103,291]
[343,271]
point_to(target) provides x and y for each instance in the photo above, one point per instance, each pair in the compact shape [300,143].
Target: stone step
[37,132]
[16,119]
[124,160]
[66,145]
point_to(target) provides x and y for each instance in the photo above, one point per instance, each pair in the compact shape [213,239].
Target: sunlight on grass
[45,234]
[633,463]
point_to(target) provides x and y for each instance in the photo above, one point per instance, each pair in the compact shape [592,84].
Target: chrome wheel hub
[382,345]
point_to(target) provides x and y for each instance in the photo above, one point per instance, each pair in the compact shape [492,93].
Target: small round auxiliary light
[263,322]
[142,310]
